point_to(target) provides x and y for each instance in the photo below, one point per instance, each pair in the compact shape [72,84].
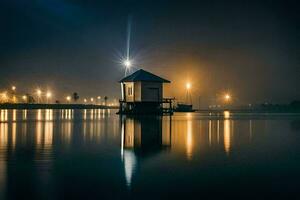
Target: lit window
[129,91]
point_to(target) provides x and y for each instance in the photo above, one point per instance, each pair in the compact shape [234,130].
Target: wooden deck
[141,108]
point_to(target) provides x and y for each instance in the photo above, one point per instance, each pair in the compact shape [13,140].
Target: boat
[181,107]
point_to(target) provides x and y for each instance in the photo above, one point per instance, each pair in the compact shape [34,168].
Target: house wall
[129,97]
[143,91]
[122,92]
[137,91]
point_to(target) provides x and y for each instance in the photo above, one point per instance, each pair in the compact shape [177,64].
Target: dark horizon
[249,49]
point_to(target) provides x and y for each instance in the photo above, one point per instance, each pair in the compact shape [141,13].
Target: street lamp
[68,98]
[24,97]
[188,86]
[99,99]
[39,94]
[48,96]
[227,97]
[14,99]
[188,96]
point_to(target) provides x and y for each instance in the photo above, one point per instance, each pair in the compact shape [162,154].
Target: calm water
[95,154]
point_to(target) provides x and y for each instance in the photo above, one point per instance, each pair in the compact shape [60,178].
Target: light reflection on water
[65,141]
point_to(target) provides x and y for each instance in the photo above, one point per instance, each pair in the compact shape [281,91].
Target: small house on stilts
[142,93]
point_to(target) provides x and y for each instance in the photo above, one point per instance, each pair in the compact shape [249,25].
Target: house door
[153,94]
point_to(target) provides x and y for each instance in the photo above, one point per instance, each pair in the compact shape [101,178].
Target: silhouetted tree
[105,100]
[30,98]
[75,96]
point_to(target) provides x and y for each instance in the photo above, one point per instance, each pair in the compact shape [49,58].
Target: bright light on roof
[127,63]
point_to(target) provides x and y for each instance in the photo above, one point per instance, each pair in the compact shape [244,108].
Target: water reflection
[3,115]
[189,138]
[24,114]
[39,115]
[141,138]
[14,115]
[227,136]
[145,137]
[14,135]
[3,140]
[67,114]
[48,134]
[130,162]
[49,145]
[3,151]
[38,133]
[66,132]
[250,130]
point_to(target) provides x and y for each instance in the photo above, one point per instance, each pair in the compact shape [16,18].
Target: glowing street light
[48,96]
[13,88]
[99,99]
[39,94]
[188,95]
[24,97]
[188,86]
[92,99]
[227,97]
[85,100]
[68,98]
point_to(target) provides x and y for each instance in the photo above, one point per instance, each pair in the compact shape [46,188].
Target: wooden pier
[138,108]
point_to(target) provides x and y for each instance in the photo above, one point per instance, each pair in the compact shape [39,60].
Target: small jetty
[142,93]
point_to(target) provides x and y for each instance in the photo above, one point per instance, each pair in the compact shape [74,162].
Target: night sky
[249,48]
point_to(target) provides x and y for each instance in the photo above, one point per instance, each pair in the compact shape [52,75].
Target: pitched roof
[142,75]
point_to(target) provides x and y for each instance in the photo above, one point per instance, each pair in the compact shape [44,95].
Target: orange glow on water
[3,115]
[39,115]
[189,138]
[227,136]
[226,114]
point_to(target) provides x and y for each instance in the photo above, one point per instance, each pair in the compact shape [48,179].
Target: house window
[129,91]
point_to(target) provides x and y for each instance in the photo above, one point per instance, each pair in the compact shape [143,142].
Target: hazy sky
[250,48]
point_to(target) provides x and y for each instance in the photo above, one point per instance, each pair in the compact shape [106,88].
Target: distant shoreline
[296,111]
[92,106]
[54,106]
